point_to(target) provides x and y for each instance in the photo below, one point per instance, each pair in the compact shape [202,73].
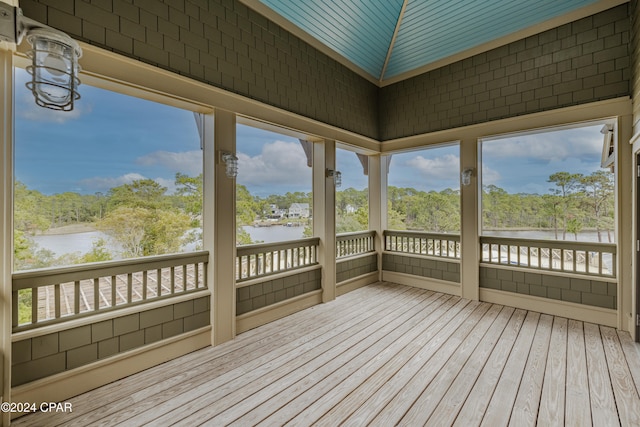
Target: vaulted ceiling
[389,40]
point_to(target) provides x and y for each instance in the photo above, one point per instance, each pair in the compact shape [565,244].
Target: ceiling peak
[393,40]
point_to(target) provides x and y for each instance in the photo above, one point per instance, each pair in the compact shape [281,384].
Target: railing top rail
[554,244]
[423,234]
[47,276]
[276,246]
[348,236]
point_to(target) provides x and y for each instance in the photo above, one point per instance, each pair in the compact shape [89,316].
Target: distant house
[299,210]
[275,212]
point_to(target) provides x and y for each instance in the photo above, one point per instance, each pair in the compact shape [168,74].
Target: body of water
[61,244]
[276,233]
[83,242]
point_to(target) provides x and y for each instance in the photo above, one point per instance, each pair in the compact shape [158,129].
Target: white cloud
[490,176]
[445,167]
[33,112]
[188,162]
[548,146]
[169,184]
[279,162]
[105,183]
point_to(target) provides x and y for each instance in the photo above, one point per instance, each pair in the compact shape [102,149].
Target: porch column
[6,231]
[324,214]
[224,234]
[624,225]
[378,203]
[469,223]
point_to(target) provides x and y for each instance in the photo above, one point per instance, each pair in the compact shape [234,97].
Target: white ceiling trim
[393,41]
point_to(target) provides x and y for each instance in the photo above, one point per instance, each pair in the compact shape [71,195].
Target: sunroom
[322,212]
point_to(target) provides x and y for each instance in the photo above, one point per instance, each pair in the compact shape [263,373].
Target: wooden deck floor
[386,355]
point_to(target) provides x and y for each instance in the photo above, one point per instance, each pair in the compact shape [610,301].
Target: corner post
[6,231]
[378,203]
[624,224]
[324,214]
[469,222]
[224,234]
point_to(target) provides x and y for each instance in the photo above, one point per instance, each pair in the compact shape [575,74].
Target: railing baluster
[96,294]
[76,297]
[173,280]
[129,288]
[34,305]
[56,300]
[15,319]
[113,291]
[159,281]
[613,265]
[196,277]
[600,263]
[145,274]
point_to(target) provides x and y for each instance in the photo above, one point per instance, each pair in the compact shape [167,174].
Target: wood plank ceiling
[389,39]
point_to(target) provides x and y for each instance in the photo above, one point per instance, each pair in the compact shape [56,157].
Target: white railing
[253,261]
[593,259]
[46,296]
[349,244]
[421,243]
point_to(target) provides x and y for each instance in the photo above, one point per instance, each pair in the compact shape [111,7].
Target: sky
[436,168]
[516,163]
[112,139]
[523,163]
[270,163]
[108,140]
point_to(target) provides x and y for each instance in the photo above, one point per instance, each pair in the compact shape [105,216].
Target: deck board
[624,389]
[476,401]
[378,389]
[527,403]
[385,355]
[504,328]
[577,408]
[552,406]
[471,354]
[603,405]
[499,408]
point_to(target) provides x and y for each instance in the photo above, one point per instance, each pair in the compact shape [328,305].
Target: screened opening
[273,186]
[423,190]
[352,197]
[118,177]
[549,184]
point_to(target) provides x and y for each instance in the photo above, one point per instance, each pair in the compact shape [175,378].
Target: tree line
[142,218]
[574,203]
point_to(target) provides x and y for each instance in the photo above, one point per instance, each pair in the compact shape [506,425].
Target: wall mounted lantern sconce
[336,175]
[230,161]
[54,58]
[465,176]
